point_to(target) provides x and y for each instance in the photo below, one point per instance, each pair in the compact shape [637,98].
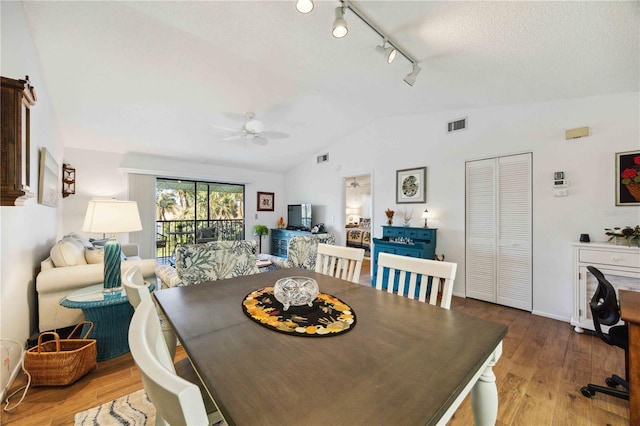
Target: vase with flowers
[631,178]
[629,234]
[389,214]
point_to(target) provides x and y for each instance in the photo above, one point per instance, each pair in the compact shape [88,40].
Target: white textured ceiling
[151,77]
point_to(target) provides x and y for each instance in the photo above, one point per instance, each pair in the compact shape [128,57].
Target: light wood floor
[543,365]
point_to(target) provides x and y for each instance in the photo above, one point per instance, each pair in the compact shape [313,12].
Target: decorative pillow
[94,255]
[67,252]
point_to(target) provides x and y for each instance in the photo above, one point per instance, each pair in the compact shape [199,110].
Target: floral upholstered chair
[302,252]
[218,260]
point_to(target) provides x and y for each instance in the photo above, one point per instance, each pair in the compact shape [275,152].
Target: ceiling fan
[356,184]
[252,131]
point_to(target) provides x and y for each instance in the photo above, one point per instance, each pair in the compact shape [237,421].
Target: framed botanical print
[628,178]
[265,201]
[411,186]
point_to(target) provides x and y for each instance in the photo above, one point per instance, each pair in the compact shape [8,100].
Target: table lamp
[111,217]
[425,216]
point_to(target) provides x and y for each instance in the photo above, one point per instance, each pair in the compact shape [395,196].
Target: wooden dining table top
[404,361]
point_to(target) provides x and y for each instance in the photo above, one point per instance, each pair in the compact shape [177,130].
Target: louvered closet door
[514,231]
[498,230]
[481,230]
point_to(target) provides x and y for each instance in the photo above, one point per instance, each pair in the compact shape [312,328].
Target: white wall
[27,232]
[413,141]
[101,174]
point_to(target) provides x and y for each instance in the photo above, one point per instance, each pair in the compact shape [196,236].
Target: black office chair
[605,311]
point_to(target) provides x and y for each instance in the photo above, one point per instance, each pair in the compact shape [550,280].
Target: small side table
[110,313]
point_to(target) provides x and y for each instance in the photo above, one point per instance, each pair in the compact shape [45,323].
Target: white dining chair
[340,262]
[137,291]
[176,400]
[413,267]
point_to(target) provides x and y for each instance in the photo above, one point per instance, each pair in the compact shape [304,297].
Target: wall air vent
[454,126]
[322,158]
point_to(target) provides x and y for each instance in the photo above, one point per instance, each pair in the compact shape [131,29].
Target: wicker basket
[60,362]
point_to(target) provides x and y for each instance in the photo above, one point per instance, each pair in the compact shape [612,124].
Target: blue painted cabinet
[404,241]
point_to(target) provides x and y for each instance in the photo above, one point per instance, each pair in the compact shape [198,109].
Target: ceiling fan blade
[231,138]
[275,135]
[259,140]
[229,129]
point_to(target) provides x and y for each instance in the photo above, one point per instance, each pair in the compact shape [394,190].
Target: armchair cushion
[303,251]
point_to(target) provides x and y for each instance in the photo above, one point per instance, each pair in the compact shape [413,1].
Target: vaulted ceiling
[153,77]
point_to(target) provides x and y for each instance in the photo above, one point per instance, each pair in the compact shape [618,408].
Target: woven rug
[134,409]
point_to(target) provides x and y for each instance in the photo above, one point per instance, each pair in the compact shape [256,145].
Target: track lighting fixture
[410,79]
[304,6]
[388,51]
[340,25]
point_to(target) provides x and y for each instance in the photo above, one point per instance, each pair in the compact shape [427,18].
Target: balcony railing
[171,233]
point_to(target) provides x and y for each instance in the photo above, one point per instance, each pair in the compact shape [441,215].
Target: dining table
[401,361]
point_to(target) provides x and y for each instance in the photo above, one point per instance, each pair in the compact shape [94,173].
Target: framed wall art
[48,183]
[411,186]
[628,178]
[265,201]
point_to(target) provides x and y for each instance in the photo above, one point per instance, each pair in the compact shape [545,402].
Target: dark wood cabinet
[17,97]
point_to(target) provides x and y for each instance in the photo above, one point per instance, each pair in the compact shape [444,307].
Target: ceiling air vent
[454,126]
[322,158]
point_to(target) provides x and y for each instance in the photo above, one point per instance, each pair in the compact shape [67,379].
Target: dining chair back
[409,273]
[176,400]
[134,286]
[340,262]
[137,291]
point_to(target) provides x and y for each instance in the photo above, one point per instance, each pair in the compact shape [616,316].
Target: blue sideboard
[404,241]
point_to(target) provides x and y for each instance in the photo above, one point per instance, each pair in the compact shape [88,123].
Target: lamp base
[112,253]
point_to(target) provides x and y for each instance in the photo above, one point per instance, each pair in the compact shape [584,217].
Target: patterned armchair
[303,251]
[218,260]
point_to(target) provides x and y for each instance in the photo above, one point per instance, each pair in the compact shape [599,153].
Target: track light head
[304,6]
[388,51]
[410,79]
[339,25]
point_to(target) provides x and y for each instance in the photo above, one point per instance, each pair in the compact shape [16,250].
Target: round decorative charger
[328,316]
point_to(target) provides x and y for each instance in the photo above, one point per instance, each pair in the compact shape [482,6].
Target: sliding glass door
[194,211]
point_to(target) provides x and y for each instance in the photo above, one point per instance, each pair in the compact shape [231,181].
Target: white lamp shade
[111,217]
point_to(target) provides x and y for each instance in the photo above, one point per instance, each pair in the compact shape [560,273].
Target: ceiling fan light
[304,6]
[410,79]
[339,24]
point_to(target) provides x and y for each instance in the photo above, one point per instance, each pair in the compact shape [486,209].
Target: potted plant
[260,230]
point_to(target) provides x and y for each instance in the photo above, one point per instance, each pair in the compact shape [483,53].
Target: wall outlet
[560,193]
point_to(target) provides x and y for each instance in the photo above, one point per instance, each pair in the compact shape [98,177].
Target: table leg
[484,395]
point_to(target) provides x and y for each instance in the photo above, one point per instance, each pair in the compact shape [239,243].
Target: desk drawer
[602,257]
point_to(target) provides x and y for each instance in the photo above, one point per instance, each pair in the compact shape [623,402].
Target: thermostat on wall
[560,183]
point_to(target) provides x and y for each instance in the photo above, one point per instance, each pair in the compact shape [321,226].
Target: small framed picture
[628,178]
[265,201]
[411,186]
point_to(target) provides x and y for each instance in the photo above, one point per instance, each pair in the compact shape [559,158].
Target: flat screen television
[299,217]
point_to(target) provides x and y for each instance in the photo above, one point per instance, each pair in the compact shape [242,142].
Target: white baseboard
[552,316]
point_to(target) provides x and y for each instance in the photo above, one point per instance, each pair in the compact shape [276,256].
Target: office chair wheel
[587,392]
[610,382]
